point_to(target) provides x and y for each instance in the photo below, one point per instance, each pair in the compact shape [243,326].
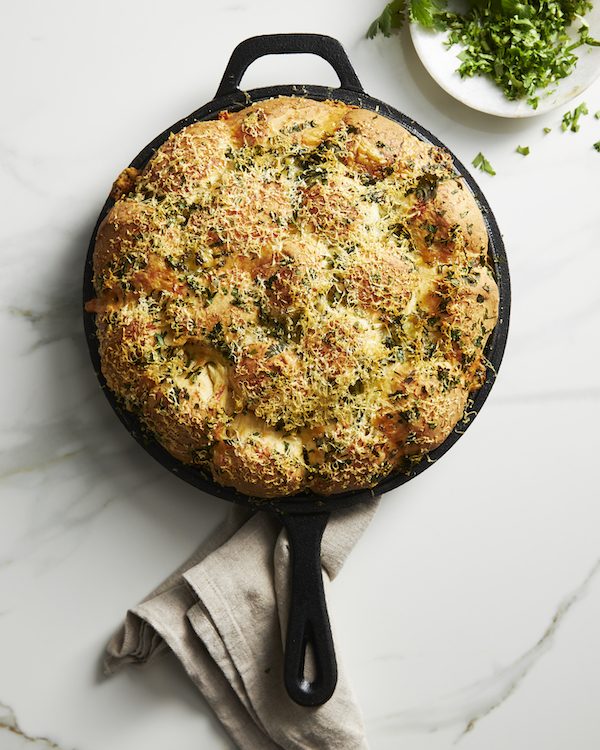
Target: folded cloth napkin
[223,613]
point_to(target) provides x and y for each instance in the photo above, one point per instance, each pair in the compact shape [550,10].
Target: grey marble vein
[472,703]
[516,672]
[52,324]
[27,468]
[9,728]
[43,443]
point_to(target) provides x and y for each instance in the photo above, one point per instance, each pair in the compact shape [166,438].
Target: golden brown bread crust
[295,296]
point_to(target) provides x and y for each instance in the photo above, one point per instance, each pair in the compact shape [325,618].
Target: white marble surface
[469,613]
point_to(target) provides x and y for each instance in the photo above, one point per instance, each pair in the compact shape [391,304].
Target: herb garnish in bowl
[527,49]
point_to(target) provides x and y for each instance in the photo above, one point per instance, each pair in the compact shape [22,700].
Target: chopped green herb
[523,150]
[483,164]
[523,46]
[236,299]
[159,339]
[597,115]
[597,146]
[570,120]
[275,349]
[547,130]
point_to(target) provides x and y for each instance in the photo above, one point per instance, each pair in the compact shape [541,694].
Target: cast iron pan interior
[305,516]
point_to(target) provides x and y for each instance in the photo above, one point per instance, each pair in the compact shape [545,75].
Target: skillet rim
[309,502]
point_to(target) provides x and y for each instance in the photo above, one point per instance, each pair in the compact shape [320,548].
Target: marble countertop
[469,613]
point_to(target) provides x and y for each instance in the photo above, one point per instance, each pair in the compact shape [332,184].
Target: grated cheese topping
[295,296]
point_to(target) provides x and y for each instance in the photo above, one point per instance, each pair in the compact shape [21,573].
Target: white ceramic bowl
[482,94]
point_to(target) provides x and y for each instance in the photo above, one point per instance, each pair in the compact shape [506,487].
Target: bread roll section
[295,297]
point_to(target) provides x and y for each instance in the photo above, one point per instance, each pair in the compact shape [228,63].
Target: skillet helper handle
[308,624]
[284,44]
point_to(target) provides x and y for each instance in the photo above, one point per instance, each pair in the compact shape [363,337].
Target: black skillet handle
[308,623]
[284,44]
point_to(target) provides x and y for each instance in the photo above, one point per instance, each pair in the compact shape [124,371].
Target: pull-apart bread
[294,297]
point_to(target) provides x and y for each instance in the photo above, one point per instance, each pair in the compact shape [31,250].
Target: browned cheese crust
[295,297]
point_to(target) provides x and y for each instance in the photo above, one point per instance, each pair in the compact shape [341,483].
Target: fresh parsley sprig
[428,13]
[392,17]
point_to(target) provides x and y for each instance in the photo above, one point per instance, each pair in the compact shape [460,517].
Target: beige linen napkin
[223,613]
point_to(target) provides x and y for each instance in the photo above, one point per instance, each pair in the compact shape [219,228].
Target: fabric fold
[223,614]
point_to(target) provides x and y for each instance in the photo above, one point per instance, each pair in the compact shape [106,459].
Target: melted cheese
[295,296]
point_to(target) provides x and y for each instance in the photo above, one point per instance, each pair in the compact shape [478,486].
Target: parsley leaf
[547,130]
[483,164]
[570,120]
[523,150]
[427,13]
[392,17]
[597,145]
[585,38]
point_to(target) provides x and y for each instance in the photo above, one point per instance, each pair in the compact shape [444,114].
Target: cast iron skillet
[305,516]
